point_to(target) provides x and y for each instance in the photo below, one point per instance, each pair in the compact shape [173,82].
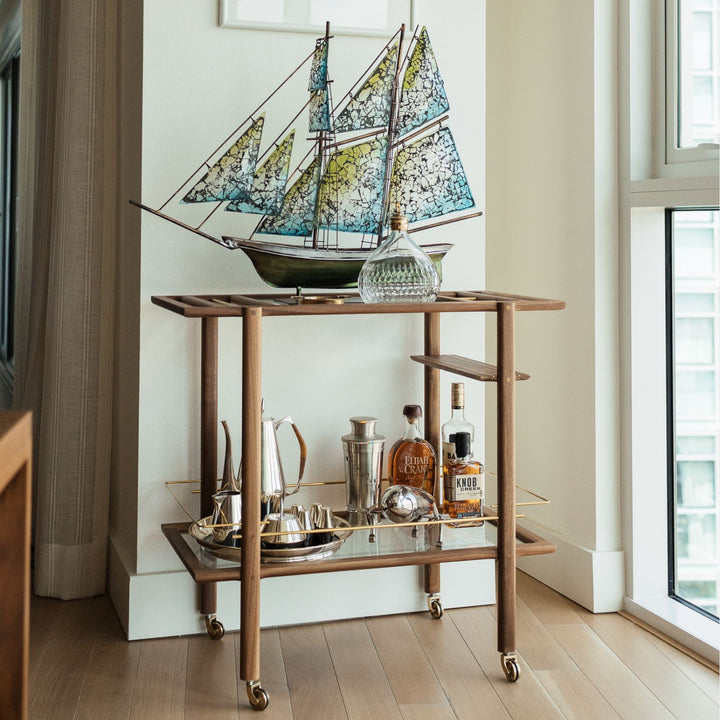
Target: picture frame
[373,18]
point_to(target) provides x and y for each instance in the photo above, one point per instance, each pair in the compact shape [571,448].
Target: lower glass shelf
[393,546]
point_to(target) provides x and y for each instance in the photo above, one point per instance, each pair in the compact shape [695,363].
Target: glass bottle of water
[398,270]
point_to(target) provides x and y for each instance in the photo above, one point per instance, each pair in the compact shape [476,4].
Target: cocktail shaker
[363,449]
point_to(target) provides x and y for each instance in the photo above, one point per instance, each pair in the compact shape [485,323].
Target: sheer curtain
[66,281]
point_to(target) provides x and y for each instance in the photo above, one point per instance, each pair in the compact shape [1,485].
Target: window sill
[691,629]
[675,192]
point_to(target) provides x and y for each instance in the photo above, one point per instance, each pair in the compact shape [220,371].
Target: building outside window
[695,420]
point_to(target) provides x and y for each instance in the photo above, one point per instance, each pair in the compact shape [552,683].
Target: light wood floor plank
[405,664]
[428,712]
[365,688]
[525,699]
[272,677]
[314,690]
[463,680]
[112,670]
[211,688]
[705,678]
[550,607]
[630,698]
[61,671]
[575,695]
[675,690]
[160,687]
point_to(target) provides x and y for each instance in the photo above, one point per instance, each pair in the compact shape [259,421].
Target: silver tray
[203,535]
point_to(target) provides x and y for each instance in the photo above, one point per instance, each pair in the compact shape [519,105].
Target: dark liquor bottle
[412,460]
[464,483]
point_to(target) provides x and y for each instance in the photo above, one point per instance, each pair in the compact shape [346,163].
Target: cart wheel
[215,629]
[510,667]
[435,607]
[259,699]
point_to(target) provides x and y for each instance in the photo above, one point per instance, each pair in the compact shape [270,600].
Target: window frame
[689,160]
[671,414]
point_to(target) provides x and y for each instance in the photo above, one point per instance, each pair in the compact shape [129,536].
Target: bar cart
[511,541]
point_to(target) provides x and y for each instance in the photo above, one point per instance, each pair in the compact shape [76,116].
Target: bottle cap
[412,411]
[457,395]
[462,444]
[397,220]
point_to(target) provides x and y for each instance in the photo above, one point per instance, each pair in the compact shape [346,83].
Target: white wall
[552,231]
[199,82]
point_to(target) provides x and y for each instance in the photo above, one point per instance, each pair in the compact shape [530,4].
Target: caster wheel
[215,629]
[511,667]
[436,608]
[259,699]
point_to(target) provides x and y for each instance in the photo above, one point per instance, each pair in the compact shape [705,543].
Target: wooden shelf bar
[176,533]
[464,366]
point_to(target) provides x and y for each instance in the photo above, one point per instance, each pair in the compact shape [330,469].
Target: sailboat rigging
[398,150]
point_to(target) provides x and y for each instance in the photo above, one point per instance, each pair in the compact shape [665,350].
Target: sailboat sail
[298,210]
[428,178]
[318,70]
[268,187]
[423,95]
[231,176]
[319,111]
[350,198]
[370,106]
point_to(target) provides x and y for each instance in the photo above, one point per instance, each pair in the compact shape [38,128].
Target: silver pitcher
[363,449]
[227,517]
[273,488]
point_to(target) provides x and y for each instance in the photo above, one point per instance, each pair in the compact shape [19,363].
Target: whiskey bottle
[412,460]
[457,423]
[464,483]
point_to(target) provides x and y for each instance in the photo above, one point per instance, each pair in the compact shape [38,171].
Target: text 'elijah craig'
[412,460]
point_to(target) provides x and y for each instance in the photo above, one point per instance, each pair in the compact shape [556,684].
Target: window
[692,88]
[9,85]
[693,303]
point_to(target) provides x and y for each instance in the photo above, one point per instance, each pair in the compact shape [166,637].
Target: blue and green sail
[268,187]
[423,96]
[297,216]
[371,104]
[231,177]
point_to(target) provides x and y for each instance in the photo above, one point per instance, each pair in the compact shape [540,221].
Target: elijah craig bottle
[464,482]
[412,460]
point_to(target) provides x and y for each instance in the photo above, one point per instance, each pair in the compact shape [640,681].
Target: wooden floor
[574,664]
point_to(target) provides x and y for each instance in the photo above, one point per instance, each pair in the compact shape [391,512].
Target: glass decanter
[398,270]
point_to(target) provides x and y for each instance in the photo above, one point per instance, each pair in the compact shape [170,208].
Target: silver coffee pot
[363,449]
[273,488]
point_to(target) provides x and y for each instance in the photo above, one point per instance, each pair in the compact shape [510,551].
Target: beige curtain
[66,287]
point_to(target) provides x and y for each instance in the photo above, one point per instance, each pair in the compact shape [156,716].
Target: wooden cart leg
[250,552]
[506,490]
[432,434]
[208,456]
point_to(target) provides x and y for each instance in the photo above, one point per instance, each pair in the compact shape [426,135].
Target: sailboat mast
[390,134]
[321,153]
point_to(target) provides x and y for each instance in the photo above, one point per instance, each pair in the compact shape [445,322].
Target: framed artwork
[379,18]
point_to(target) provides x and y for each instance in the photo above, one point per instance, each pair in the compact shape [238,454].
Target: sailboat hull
[293,266]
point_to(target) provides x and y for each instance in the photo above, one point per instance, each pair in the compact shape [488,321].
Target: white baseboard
[593,579]
[167,604]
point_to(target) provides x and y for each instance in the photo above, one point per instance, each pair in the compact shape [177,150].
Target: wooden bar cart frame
[512,541]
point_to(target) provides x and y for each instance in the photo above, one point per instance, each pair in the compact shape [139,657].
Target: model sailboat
[385,146]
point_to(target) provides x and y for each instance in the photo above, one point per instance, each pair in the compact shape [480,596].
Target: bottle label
[467,487]
[448,452]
